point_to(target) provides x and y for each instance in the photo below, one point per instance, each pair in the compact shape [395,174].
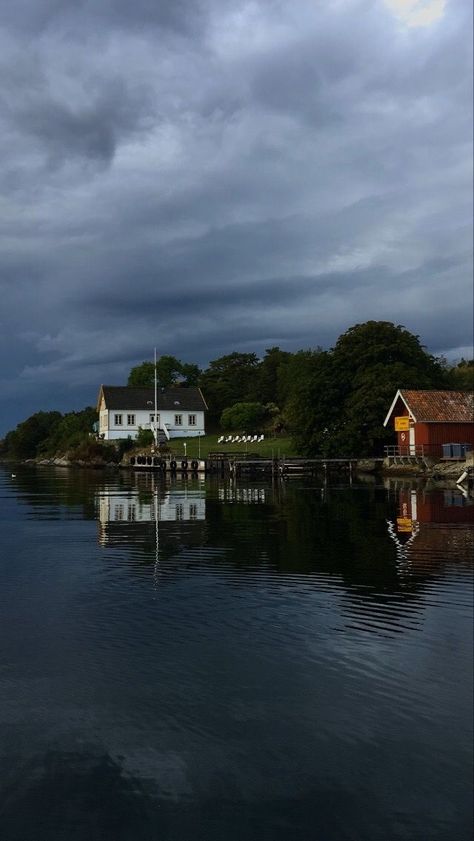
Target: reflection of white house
[131,507]
[123,410]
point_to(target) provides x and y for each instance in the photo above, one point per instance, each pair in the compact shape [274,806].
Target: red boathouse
[426,420]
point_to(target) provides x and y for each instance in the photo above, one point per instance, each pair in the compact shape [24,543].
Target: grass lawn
[208,443]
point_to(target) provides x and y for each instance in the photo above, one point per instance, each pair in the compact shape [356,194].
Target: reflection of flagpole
[157,543]
[156,407]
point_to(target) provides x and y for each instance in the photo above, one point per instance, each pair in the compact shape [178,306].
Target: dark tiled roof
[440,406]
[173,399]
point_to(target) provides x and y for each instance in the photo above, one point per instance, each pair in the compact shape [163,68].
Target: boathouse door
[412,441]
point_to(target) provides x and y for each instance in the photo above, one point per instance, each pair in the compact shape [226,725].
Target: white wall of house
[122,423]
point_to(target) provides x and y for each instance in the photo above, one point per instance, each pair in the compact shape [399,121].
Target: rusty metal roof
[439,406]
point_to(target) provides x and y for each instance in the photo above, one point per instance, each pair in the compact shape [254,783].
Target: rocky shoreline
[440,471]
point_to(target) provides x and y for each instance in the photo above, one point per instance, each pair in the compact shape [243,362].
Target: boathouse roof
[435,406]
[173,399]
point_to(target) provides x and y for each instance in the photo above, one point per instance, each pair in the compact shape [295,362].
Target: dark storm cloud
[65,131]
[215,176]
[35,16]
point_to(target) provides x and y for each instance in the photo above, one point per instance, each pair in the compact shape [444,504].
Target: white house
[124,409]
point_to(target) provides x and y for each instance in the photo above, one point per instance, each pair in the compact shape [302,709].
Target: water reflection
[431,527]
[300,670]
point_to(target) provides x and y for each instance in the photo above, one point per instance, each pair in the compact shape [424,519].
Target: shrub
[243,416]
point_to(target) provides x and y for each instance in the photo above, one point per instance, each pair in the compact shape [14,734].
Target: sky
[206,176]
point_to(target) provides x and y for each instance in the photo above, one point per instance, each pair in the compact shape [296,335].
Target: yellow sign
[404,524]
[402,424]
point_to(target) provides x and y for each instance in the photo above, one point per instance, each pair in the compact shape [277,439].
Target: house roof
[172,399]
[436,406]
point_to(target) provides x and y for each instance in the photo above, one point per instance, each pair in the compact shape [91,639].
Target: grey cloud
[91,131]
[216,176]
[71,15]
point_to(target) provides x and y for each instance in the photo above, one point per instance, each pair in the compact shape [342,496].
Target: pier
[249,465]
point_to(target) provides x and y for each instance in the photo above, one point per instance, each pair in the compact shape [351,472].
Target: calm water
[209,661]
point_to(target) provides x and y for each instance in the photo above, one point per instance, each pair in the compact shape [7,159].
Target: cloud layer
[211,176]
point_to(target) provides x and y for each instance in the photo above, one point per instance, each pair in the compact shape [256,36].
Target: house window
[130,420]
[191,420]
[178,420]
[118,420]
[152,419]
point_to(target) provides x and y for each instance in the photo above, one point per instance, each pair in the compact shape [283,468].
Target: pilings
[235,465]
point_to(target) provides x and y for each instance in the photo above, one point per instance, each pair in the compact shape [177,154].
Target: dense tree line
[46,434]
[332,402]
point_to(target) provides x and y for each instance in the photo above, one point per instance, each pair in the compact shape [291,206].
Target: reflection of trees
[290,529]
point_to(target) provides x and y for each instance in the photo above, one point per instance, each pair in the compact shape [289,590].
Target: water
[208,661]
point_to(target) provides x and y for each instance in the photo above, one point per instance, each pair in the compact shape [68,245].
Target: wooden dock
[249,465]
[288,468]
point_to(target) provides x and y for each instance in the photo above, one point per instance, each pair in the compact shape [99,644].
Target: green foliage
[142,376]
[332,402]
[337,407]
[312,401]
[26,440]
[144,437]
[49,433]
[264,387]
[461,376]
[228,380]
[92,451]
[169,371]
[70,430]
[245,417]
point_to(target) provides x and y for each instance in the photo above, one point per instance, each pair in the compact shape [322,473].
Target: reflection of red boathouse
[432,527]
[439,506]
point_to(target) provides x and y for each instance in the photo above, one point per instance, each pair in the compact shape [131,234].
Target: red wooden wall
[433,435]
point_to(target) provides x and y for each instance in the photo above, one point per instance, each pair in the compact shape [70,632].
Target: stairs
[161,436]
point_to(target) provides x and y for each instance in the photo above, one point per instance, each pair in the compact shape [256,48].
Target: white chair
[237,439]
[255,438]
[261,437]
[220,440]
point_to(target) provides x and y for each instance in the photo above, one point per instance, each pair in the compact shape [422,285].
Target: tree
[228,380]
[169,371]
[190,373]
[460,377]
[142,375]
[383,343]
[25,440]
[313,398]
[338,405]
[265,383]
[245,417]
[69,431]
[144,437]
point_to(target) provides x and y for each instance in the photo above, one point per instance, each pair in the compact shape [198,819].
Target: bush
[243,416]
[144,438]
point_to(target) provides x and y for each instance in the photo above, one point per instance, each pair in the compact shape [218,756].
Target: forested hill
[332,402]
